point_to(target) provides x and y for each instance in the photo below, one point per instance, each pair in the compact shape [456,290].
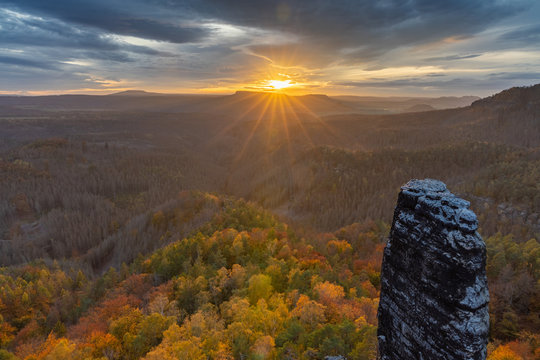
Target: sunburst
[278,84]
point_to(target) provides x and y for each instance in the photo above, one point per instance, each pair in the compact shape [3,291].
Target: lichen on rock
[434,295]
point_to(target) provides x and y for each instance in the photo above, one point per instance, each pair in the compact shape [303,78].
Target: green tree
[260,287]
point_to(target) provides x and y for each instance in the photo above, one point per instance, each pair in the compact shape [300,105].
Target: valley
[274,204]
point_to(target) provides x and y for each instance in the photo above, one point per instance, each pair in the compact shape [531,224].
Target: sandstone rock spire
[434,295]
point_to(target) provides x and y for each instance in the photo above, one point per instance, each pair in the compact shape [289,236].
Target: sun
[278,84]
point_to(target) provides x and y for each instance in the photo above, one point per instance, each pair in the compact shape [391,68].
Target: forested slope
[131,234]
[241,285]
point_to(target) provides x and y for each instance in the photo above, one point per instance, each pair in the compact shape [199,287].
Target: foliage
[230,290]
[514,283]
[242,286]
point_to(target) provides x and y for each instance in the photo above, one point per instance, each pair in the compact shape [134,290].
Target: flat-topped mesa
[434,295]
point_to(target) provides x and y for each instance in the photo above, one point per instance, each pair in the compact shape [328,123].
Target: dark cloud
[33,31]
[116,56]
[113,16]
[297,54]
[370,26]
[45,37]
[308,37]
[515,76]
[525,35]
[494,81]
[19,61]
[367,28]
[146,50]
[414,82]
[453,57]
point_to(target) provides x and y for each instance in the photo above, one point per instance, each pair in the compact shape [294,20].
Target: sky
[337,47]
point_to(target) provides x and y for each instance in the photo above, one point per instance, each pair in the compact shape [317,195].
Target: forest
[160,235]
[243,285]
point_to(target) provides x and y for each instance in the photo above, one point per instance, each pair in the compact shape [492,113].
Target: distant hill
[256,105]
[511,117]
[515,97]
[244,105]
[377,105]
[420,108]
[136,93]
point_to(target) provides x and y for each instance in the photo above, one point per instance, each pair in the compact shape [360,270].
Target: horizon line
[262,92]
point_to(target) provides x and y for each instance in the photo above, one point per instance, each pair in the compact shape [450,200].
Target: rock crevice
[434,295]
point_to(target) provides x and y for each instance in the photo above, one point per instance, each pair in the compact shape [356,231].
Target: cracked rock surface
[434,295]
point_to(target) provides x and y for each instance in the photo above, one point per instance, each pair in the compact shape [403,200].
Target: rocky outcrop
[434,295]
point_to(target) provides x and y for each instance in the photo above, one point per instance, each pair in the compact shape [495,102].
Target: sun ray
[286,128]
[261,99]
[299,122]
[324,124]
[241,117]
[253,130]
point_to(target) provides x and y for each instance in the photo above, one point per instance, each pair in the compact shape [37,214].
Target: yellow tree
[263,348]
[260,287]
[503,352]
[310,312]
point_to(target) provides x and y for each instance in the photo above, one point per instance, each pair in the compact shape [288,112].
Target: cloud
[448,85]
[530,76]
[366,27]
[30,31]
[294,55]
[205,43]
[363,30]
[453,57]
[19,61]
[524,35]
[133,19]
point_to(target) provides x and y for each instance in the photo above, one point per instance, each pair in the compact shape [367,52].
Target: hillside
[242,104]
[241,284]
[515,98]
[324,173]
[131,211]
[420,108]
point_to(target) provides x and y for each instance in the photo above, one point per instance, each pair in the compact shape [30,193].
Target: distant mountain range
[242,103]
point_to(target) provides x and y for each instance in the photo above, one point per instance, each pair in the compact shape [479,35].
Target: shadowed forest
[248,226]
